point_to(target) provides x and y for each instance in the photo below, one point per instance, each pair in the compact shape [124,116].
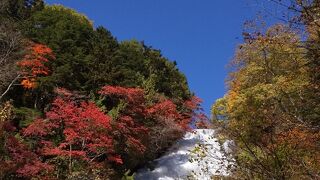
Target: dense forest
[272,107]
[78,104]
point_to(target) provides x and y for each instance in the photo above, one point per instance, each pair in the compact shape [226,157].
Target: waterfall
[198,155]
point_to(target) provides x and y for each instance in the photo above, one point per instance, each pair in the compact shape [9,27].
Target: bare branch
[7,90]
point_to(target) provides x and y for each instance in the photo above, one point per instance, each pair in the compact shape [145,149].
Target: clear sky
[201,35]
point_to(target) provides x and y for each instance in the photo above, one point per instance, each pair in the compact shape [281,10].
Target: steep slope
[197,156]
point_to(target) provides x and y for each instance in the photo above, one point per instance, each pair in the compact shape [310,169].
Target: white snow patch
[176,163]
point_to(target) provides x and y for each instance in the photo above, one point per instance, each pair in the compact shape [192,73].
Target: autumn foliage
[16,157]
[85,129]
[65,123]
[77,132]
[269,109]
[34,64]
[136,123]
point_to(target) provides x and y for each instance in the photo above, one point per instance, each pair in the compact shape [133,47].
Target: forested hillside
[272,107]
[78,104]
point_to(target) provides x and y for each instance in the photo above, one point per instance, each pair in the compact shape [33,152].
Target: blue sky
[201,35]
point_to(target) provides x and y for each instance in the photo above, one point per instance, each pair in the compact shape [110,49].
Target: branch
[98,155]
[6,91]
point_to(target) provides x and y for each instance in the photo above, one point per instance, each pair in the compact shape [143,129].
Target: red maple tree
[16,157]
[23,160]
[34,65]
[133,127]
[127,129]
[84,127]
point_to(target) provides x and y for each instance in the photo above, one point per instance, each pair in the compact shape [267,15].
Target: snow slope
[199,146]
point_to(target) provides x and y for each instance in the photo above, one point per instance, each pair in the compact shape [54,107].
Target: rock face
[197,156]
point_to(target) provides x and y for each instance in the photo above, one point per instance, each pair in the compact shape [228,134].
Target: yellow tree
[264,107]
